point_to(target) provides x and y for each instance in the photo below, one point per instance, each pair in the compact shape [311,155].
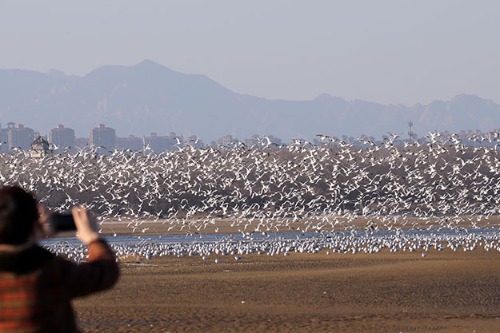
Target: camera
[58,222]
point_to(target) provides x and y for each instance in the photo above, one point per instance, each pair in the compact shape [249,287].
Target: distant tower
[410,131]
[20,136]
[103,136]
[40,148]
[4,140]
[62,137]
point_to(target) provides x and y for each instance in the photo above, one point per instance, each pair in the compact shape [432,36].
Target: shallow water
[489,233]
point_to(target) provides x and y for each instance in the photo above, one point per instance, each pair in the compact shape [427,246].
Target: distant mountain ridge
[149,97]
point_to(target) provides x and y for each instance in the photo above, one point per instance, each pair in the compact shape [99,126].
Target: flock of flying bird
[437,183]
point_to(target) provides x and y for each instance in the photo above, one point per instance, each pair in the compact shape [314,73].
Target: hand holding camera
[86,225]
[79,219]
[60,222]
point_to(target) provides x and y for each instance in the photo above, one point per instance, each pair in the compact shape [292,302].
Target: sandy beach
[445,291]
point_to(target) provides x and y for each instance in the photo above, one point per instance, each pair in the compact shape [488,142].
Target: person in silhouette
[36,286]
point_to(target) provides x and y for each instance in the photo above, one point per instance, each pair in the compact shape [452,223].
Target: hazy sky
[388,51]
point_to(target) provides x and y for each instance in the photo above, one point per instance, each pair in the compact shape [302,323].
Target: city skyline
[61,138]
[19,136]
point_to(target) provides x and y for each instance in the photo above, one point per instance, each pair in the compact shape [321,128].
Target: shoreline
[442,291]
[226,226]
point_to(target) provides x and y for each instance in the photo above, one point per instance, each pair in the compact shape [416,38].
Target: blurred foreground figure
[36,287]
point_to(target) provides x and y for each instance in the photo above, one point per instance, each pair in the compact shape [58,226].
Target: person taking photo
[36,286]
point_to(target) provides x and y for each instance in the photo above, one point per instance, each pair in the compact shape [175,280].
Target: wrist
[90,238]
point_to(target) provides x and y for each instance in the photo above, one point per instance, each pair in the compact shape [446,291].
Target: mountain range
[149,97]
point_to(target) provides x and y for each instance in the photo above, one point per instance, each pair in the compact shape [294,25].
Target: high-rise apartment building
[20,137]
[4,140]
[193,140]
[103,136]
[161,143]
[62,137]
[131,142]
